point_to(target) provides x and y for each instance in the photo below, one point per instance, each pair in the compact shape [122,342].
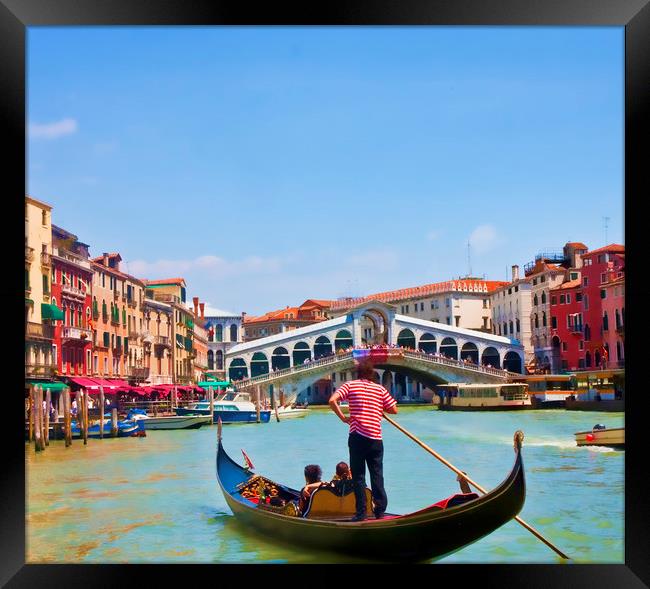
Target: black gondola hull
[426,534]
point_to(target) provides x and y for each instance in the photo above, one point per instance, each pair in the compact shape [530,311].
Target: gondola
[430,533]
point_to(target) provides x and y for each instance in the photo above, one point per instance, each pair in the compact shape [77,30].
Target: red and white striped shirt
[367,401]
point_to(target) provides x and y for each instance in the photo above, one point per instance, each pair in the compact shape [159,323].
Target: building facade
[173,292]
[224,330]
[117,311]
[282,320]
[72,292]
[511,306]
[157,340]
[200,342]
[566,326]
[40,312]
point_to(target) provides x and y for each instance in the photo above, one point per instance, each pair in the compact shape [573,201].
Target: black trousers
[371,452]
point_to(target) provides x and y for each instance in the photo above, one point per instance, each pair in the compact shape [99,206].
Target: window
[543,298]
[407,308]
[581,345]
[536,320]
[574,276]
[585,281]
[106,339]
[103,280]
[603,278]
[605,322]
[578,297]
[587,333]
[46,285]
[562,299]
[603,293]
[44,217]
[517,288]
[534,281]
[542,278]
[602,258]
[585,302]
[518,326]
[568,298]
[564,347]
[432,306]
[485,303]
[544,318]
[510,291]
[535,301]
[421,306]
[553,300]
[54,358]
[554,322]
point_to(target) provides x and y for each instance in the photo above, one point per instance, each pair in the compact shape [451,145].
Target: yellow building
[200,341]
[39,312]
[172,291]
[158,340]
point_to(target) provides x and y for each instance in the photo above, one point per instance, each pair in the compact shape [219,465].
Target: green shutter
[123,316]
[188,344]
[107,339]
[126,345]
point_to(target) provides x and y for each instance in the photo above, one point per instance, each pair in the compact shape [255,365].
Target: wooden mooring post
[114,422]
[48,402]
[273,403]
[211,393]
[67,418]
[38,425]
[86,420]
[257,403]
[101,412]
[30,414]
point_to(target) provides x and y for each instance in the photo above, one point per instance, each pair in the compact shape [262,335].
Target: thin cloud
[53,130]
[484,238]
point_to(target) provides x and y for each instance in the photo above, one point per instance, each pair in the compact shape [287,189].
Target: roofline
[38,203]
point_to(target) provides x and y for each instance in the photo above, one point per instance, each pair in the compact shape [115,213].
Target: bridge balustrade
[395,352]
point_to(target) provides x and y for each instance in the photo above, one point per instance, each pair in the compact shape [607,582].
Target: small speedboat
[230,406]
[289,412]
[168,422]
[600,435]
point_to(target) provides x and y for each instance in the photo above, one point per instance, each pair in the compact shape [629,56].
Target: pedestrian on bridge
[366,401]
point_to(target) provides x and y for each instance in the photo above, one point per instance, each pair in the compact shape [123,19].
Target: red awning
[84,383]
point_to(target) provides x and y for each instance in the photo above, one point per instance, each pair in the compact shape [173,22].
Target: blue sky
[271,165]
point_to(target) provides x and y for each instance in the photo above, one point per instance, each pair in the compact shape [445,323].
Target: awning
[213,383]
[51,311]
[54,386]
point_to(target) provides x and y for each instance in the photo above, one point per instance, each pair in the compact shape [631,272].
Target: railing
[115,320]
[138,372]
[391,352]
[132,303]
[116,294]
[39,330]
[104,317]
[74,258]
[576,329]
[166,298]
[161,340]
[46,259]
[29,253]
[39,370]
[80,333]
[134,335]
[73,290]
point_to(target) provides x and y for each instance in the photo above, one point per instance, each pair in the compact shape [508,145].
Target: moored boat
[169,421]
[230,406]
[289,412]
[549,391]
[432,532]
[483,397]
[125,428]
[600,435]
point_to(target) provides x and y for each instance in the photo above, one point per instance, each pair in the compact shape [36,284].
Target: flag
[249,464]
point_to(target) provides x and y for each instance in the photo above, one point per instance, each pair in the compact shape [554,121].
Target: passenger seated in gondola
[342,479]
[313,481]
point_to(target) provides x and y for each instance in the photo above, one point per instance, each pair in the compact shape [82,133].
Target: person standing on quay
[367,401]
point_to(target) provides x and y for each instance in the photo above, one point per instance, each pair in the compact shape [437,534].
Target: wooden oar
[471,482]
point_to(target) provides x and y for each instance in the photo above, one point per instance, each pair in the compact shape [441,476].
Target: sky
[269,165]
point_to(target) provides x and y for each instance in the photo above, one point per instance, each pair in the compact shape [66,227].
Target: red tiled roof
[614,248]
[577,245]
[570,284]
[110,257]
[166,281]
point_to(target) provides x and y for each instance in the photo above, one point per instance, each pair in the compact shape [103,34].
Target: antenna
[606,223]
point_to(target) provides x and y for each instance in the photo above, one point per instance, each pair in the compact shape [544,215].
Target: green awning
[213,383]
[51,312]
[55,387]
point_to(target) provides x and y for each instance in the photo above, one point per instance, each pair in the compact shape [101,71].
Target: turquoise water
[155,499]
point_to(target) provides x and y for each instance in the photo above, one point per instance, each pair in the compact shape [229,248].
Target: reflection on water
[155,499]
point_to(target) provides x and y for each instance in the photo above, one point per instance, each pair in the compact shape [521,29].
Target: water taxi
[599,435]
[168,421]
[289,412]
[549,391]
[231,406]
[483,397]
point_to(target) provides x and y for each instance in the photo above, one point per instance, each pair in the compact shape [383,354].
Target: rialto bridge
[312,361]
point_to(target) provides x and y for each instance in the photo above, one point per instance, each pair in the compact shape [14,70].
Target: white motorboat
[171,421]
[289,412]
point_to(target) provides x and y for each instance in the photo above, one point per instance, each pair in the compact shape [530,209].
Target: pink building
[613,306]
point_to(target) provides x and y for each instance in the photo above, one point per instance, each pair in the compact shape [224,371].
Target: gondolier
[366,401]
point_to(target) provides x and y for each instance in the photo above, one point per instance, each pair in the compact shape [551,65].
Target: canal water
[156,500]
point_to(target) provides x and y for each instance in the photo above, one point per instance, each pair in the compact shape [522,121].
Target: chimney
[105,254]
[202,306]
[515,273]
[195,300]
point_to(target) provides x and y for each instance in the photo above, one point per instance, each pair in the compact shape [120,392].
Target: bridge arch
[280,358]
[322,347]
[259,364]
[491,357]
[428,343]
[469,351]
[342,340]
[406,339]
[512,362]
[301,353]
[238,369]
[449,347]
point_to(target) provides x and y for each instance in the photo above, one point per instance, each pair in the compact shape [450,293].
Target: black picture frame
[634,15]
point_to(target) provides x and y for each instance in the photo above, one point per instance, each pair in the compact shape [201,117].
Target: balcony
[29,254]
[71,257]
[115,320]
[166,298]
[46,259]
[73,291]
[161,340]
[138,372]
[116,294]
[576,329]
[134,335]
[131,303]
[32,370]
[117,349]
[76,333]
[40,331]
